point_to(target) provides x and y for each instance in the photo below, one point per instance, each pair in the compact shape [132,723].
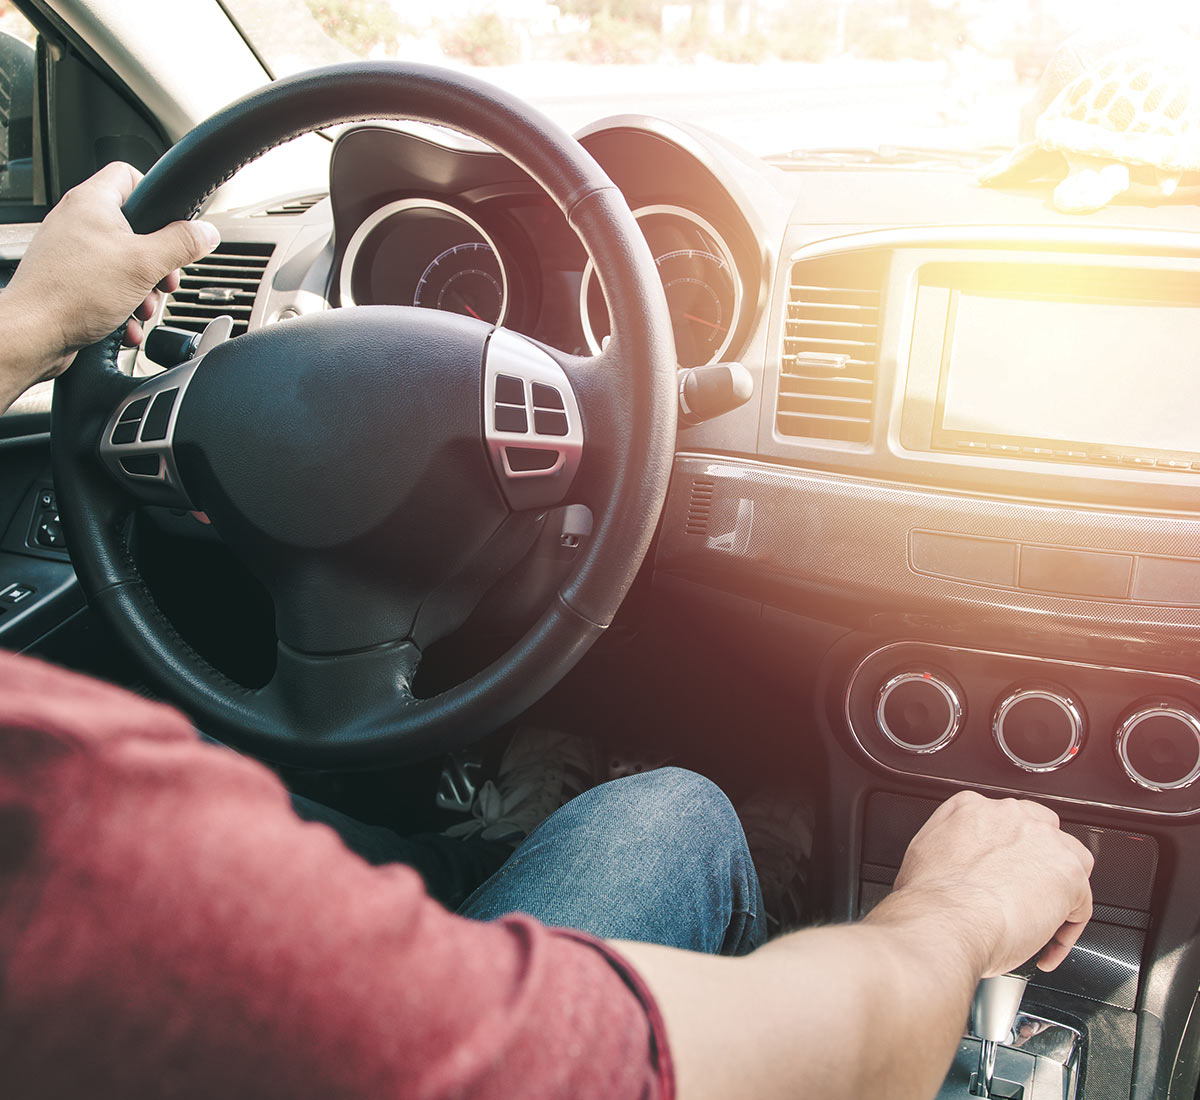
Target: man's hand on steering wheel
[83,274]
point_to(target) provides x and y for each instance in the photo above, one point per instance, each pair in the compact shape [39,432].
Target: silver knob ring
[1070,709]
[1144,713]
[953,723]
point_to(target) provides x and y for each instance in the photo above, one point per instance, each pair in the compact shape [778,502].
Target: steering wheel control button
[550,423]
[545,397]
[142,465]
[159,416]
[134,410]
[1158,745]
[125,432]
[536,471]
[138,445]
[1039,727]
[526,459]
[511,419]
[510,391]
[920,711]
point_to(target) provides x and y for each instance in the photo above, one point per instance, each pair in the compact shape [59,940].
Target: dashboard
[973,419]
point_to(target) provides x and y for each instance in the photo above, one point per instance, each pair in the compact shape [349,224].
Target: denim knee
[667,808]
[658,857]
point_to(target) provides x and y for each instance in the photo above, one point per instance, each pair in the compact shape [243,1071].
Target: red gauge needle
[467,307]
[702,321]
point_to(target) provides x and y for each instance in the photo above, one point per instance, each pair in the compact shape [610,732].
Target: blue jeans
[658,857]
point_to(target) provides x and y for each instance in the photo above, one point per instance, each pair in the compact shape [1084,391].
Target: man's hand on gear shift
[1007,863]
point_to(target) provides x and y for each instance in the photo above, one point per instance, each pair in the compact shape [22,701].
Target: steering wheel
[366,463]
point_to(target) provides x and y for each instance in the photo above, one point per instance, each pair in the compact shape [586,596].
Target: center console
[970,497]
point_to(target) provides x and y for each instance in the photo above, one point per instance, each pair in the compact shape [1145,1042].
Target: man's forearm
[27,353]
[873,1009]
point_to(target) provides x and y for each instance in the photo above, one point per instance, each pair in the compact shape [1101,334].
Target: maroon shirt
[169,928]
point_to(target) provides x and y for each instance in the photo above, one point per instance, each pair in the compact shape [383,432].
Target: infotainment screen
[1114,375]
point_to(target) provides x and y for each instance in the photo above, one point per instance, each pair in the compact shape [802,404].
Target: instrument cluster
[457,231]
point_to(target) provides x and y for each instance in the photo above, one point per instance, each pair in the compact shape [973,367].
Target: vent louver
[699,506]
[224,282]
[291,208]
[831,346]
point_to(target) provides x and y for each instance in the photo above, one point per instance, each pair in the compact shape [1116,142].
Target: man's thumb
[182,243]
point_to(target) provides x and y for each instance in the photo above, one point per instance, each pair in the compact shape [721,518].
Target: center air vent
[292,208]
[831,346]
[224,282]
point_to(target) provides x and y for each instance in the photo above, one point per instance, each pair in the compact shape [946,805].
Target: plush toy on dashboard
[1127,122]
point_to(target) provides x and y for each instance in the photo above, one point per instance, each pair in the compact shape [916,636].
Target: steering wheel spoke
[137,441]
[319,695]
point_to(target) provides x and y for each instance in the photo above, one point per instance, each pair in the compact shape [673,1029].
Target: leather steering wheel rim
[629,415]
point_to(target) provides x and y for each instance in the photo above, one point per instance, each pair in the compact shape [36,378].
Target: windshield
[771,75]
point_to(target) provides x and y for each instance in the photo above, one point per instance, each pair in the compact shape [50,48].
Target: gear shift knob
[995,1007]
[993,1013]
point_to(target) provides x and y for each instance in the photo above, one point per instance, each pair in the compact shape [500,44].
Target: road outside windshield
[771,75]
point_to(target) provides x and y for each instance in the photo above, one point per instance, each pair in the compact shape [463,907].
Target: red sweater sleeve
[169,928]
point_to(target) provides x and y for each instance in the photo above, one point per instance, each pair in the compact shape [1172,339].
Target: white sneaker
[540,771]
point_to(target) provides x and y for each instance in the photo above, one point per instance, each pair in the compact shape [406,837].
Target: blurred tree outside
[362,26]
[482,39]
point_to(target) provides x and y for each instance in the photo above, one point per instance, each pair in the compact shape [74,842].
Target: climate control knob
[1039,727]
[1158,745]
[920,710]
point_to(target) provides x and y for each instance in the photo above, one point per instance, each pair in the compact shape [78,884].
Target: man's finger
[149,307]
[1060,947]
[133,334]
[118,175]
[170,284]
[179,244]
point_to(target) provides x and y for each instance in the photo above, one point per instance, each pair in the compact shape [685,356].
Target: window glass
[17,79]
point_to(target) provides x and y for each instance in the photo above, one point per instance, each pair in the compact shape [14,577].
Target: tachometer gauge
[422,252]
[704,293]
[464,279]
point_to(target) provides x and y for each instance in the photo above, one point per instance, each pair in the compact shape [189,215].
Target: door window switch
[17,594]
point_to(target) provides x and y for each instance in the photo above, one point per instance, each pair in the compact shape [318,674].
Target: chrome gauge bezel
[399,206]
[725,255]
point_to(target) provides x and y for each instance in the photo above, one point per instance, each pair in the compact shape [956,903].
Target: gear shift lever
[992,1015]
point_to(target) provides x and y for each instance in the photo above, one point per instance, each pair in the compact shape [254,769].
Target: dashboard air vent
[699,506]
[226,281]
[291,208]
[831,345]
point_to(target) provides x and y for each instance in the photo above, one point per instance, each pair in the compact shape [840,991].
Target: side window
[18,78]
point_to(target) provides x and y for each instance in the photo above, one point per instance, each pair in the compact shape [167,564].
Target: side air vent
[226,281]
[831,347]
[291,208]
[699,506]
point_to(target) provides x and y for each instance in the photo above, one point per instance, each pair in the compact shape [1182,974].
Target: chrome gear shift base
[1039,1060]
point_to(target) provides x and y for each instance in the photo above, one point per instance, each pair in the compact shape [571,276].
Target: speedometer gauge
[464,279]
[422,252]
[704,293]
